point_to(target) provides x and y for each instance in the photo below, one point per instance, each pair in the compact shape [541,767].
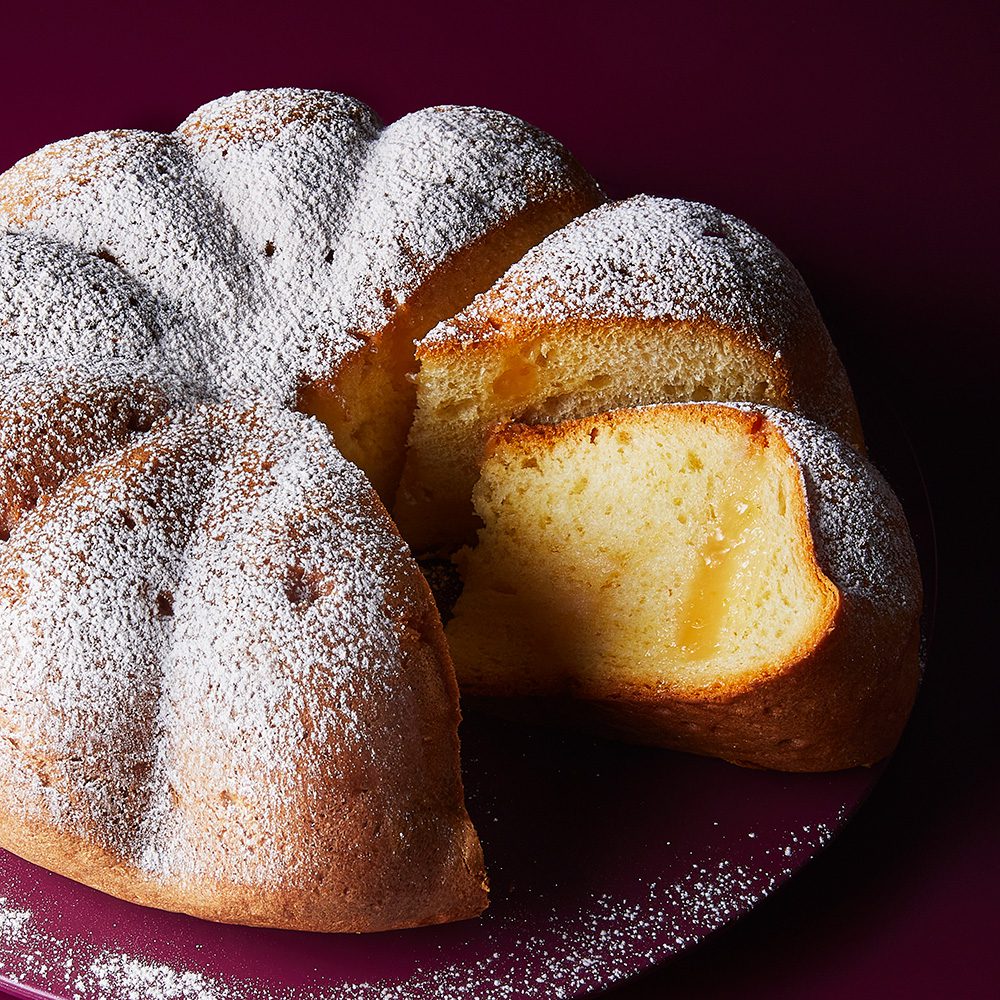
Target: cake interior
[568,370]
[658,547]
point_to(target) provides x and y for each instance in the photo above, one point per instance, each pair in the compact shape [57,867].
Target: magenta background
[866,145]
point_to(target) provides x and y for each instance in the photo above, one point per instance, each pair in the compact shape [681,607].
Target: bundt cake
[225,687]
[648,300]
[730,580]
[280,241]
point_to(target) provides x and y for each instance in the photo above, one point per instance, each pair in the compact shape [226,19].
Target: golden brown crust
[459,894]
[827,712]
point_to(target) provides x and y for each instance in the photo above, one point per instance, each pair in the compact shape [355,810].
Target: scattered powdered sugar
[608,938]
[13,921]
[133,979]
[274,234]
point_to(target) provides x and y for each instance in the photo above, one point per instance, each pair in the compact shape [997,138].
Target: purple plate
[604,860]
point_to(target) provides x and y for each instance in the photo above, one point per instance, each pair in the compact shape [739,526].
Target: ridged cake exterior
[225,688]
[280,242]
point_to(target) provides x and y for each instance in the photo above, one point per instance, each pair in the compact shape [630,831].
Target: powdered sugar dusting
[205,616]
[657,259]
[862,538]
[270,237]
[670,261]
[187,567]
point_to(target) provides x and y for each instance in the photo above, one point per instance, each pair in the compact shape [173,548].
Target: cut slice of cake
[648,300]
[730,580]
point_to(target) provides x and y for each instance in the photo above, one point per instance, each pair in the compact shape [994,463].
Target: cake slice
[729,580]
[649,300]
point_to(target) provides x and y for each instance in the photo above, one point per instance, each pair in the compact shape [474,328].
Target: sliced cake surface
[649,300]
[730,580]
